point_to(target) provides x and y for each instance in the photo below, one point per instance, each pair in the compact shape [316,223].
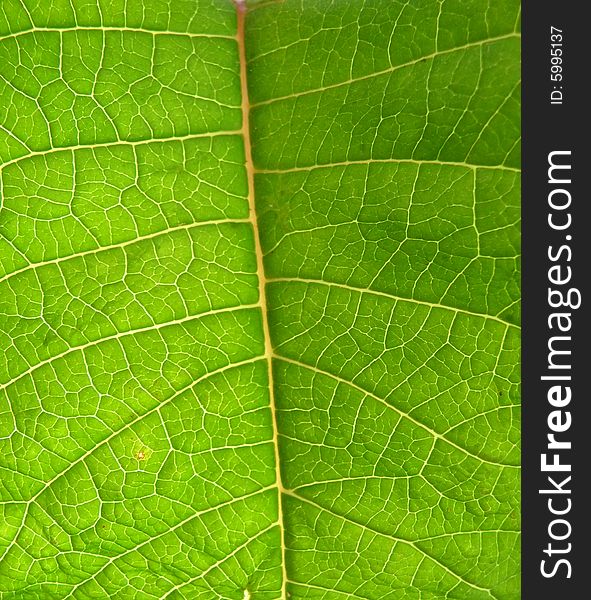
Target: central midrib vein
[241,18]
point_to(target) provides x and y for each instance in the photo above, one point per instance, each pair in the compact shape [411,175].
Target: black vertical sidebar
[562,126]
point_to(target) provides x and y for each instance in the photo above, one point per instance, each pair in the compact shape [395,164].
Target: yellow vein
[388,70]
[175,527]
[371,292]
[116,143]
[136,240]
[234,552]
[432,432]
[241,17]
[370,161]
[119,335]
[33,30]
[105,441]
[395,539]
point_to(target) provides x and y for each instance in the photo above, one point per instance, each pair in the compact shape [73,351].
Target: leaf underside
[139,420]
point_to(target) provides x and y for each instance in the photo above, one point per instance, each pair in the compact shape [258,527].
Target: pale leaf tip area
[259,300]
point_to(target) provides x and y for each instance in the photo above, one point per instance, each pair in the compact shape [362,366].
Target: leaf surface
[259,300]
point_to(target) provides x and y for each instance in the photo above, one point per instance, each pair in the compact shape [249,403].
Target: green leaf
[259,344]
